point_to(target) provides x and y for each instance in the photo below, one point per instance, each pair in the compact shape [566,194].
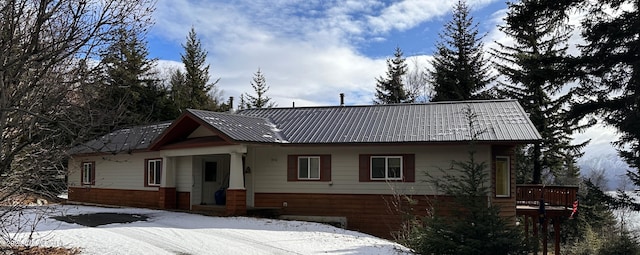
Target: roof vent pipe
[231,105]
[293,104]
[341,99]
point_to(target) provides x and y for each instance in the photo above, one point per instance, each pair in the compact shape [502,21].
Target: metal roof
[123,140]
[241,127]
[496,120]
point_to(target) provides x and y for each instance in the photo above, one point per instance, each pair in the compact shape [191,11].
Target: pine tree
[260,100]
[390,89]
[611,85]
[196,91]
[474,228]
[130,82]
[459,69]
[536,69]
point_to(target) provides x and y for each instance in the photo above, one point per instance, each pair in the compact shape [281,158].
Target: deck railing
[531,194]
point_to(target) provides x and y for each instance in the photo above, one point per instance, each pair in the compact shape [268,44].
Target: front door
[210,181]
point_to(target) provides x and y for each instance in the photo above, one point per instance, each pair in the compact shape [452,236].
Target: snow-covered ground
[183,233]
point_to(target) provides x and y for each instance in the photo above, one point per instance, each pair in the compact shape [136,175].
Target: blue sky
[309,51]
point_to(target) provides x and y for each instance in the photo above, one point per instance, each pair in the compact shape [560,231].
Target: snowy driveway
[183,233]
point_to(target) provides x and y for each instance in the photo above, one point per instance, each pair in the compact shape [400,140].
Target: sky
[310,51]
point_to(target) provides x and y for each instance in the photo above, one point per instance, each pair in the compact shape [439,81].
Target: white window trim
[508,159]
[386,168]
[155,174]
[309,167]
[86,173]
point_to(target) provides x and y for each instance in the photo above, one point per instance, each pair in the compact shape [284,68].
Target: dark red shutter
[292,168]
[409,167]
[146,173]
[82,173]
[364,167]
[93,173]
[325,168]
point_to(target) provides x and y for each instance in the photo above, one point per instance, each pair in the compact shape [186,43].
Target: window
[386,168]
[154,172]
[399,167]
[210,171]
[88,173]
[309,168]
[503,177]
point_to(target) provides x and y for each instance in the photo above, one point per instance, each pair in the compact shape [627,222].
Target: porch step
[211,210]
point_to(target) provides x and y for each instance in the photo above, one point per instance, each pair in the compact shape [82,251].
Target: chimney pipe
[341,99]
[293,104]
[231,105]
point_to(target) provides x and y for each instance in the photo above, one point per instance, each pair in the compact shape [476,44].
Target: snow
[183,233]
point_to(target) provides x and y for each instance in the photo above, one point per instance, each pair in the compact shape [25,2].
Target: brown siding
[133,198]
[184,200]
[507,204]
[367,213]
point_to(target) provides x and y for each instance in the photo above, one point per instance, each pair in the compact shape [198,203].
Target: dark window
[210,171]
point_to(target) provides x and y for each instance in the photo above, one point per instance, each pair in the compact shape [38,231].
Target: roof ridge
[379,105]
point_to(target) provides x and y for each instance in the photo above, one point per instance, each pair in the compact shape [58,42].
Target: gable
[189,131]
[201,131]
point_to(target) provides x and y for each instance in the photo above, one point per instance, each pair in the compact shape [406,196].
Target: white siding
[269,168]
[184,175]
[122,171]
[201,132]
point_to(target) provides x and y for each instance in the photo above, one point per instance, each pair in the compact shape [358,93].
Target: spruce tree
[536,70]
[390,89]
[196,91]
[610,87]
[459,69]
[470,226]
[131,83]
[260,100]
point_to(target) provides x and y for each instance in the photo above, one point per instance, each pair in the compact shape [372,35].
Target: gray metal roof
[241,127]
[123,140]
[497,120]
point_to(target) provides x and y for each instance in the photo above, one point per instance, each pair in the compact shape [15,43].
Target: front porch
[541,204]
[202,172]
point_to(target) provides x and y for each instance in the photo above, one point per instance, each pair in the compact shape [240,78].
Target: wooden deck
[558,205]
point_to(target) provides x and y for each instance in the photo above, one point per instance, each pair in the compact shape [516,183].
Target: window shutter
[82,173]
[409,168]
[292,168]
[93,173]
[364,167]
[325,168]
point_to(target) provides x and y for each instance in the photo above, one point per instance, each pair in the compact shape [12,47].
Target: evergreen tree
[474,228]
[459,69]
[536,69]
[611,85]
[390,89]
[130,82]
[196,91]
[260,100]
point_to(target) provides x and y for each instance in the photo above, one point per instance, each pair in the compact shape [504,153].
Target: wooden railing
[531,194]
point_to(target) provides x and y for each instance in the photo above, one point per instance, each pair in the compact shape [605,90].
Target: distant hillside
[615,169]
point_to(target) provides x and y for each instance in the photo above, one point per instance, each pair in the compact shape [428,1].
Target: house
[339,162]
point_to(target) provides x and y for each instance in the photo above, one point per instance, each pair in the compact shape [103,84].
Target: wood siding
[269,168]
[122,197]
[372,214]
[122,171]
[507,204]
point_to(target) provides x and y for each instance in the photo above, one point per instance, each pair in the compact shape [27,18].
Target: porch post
[236,193]
[167,190]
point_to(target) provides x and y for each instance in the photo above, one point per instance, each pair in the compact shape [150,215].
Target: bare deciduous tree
[48,72]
